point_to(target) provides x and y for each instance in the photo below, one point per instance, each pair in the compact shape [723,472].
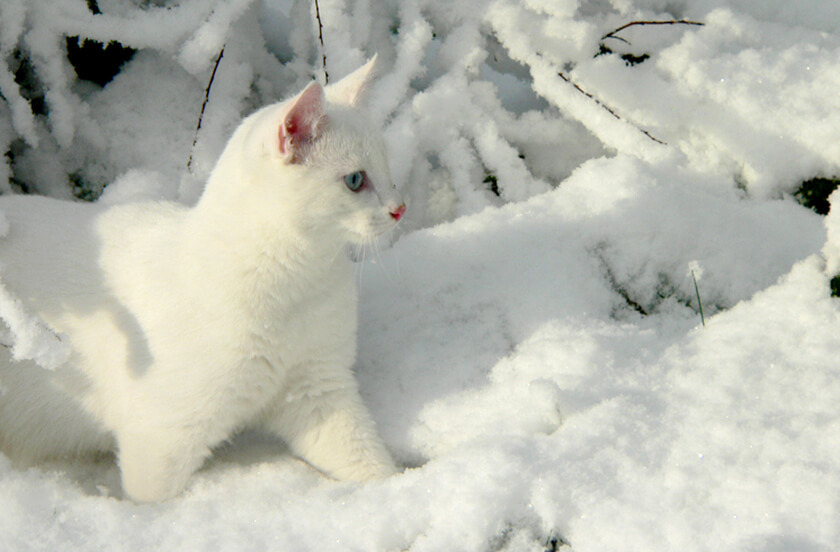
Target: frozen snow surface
[532,345]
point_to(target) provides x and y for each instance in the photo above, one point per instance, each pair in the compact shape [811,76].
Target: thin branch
[612,34]
[608,109]
[624,40]
[632,60]
[699,302]
[204,105]
[613,281]
[321,40]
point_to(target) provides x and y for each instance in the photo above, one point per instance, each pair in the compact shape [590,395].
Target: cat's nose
[398,212]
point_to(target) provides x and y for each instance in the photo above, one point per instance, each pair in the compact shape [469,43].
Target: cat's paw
[155,466]
[365,471]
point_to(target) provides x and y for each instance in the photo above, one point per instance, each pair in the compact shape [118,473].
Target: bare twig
[204,105]
[612,34]
[607,108]
[613,281]
[632,60]
[699,302]
[321,40]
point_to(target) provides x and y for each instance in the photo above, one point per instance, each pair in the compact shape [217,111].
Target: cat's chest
[317,327]
[303,321]
[227,306]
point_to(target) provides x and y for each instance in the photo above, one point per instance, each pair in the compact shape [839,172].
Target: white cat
[187,325]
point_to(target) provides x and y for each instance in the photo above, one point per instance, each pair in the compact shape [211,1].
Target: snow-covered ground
[535,357]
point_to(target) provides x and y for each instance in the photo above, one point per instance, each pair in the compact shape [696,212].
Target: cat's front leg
[156,463]
[333,431]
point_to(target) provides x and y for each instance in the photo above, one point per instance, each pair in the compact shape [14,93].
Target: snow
[27,336]
[535,357]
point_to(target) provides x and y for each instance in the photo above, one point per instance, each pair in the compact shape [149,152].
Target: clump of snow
[831,250]
[531,346]
[28,337]
[152,130]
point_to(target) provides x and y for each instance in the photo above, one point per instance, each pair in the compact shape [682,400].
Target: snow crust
[531,346]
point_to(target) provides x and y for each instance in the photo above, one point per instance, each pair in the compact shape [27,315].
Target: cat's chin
[373,230]
[363,239]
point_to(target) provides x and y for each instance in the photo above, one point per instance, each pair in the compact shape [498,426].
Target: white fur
[189,324]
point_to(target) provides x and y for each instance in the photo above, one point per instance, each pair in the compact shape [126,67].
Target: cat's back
[42,223]
[48,246]
[138,234]
[60,256]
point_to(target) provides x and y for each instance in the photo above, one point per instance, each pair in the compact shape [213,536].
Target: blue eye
[355,180]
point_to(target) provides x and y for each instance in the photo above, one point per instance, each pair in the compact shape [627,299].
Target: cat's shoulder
[138,234]
[141,215]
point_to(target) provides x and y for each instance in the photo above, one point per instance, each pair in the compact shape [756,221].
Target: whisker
[396,255]
[341,248]
[360,263]
[377,250]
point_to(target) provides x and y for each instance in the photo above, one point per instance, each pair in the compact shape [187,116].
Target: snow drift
[531,345]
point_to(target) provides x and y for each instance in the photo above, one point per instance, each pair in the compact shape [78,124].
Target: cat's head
[319,159]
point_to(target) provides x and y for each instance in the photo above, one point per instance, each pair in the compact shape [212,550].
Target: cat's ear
[301,121]
[351,89]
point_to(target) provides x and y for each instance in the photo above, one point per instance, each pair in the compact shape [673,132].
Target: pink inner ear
[301,121]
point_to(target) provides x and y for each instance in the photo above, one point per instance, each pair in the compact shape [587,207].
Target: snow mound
[532,345]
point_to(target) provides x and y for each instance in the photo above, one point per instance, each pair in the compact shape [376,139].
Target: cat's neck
[264,247]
